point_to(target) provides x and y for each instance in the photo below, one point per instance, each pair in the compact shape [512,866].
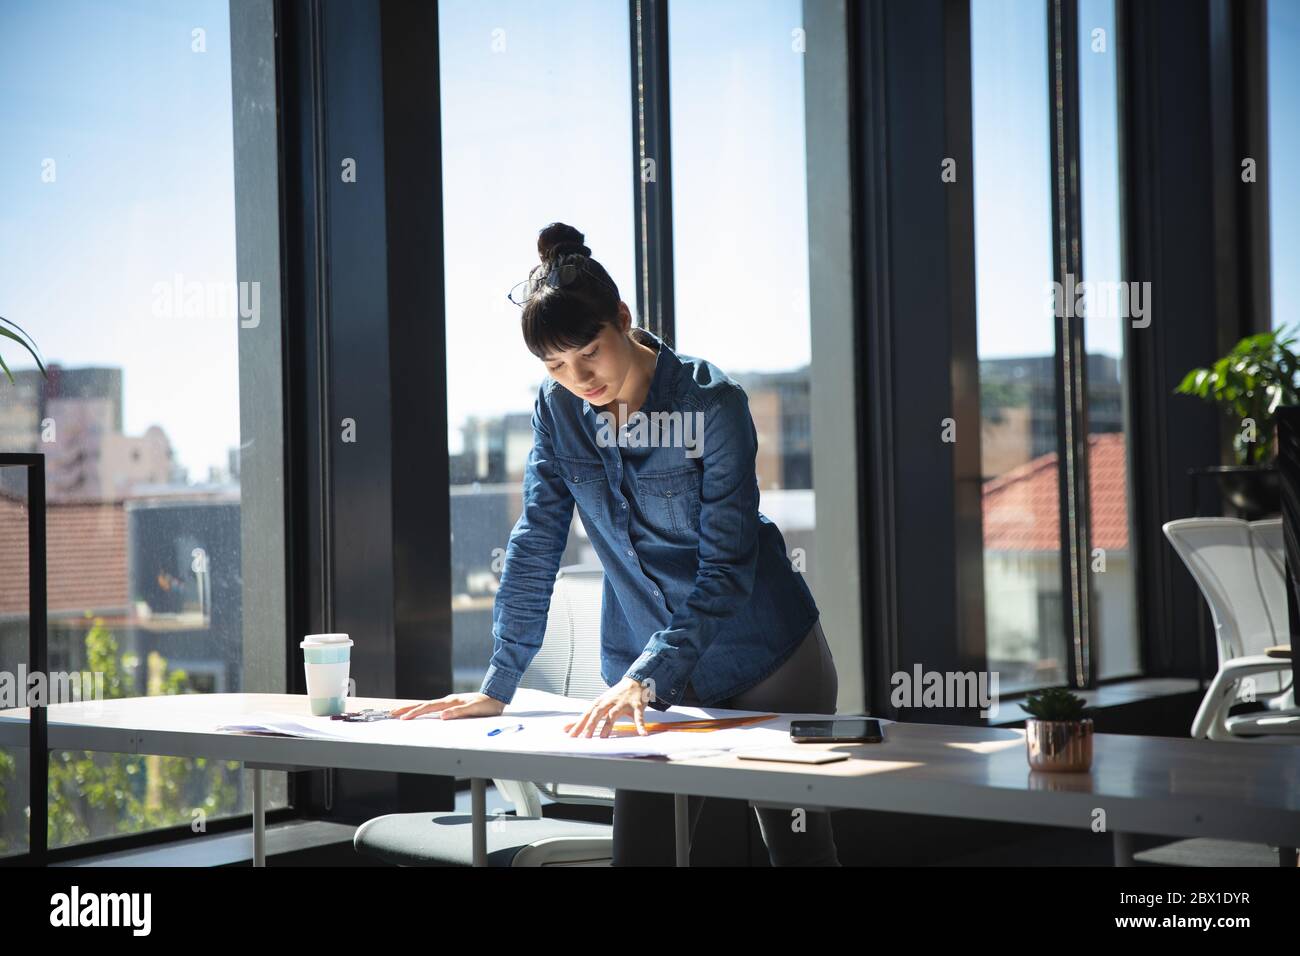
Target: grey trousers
[805,683]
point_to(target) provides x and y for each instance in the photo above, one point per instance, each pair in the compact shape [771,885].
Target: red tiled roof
[1022,506]
[86,556]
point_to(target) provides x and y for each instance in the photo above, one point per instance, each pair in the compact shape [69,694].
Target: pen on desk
[505,730]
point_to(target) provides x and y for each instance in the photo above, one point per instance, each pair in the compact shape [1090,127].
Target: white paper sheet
[543,717]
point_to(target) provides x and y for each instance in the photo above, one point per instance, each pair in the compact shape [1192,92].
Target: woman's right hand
[453,706]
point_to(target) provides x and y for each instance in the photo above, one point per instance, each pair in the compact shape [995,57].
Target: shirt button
[630,552]
[624,504]
[656,593]
[670,494]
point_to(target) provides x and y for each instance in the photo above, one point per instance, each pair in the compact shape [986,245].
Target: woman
[701,605]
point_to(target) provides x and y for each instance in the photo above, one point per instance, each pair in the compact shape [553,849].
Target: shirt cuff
[666,686]
[500,684]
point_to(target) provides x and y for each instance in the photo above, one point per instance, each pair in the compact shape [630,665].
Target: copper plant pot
[1059,746]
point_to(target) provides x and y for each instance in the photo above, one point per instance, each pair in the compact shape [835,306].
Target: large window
[536,127]
[1016,343]
[1111,514]
[1037,630]
[740,230]
[117,254]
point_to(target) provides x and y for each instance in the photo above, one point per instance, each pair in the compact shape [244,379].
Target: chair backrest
[569,660]
[1238,567]
[1270,551]
[1270,562]
[568,663]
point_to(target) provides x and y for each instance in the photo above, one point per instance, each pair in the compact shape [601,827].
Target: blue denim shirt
[698,586]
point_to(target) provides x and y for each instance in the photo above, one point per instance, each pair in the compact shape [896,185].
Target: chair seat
[444,838]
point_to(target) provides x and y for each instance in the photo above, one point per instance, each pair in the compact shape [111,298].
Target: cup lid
[326,640]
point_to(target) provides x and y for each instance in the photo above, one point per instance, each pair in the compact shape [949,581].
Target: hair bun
[560,239]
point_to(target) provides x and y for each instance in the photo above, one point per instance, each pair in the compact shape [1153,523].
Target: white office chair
[1238,566]
[568,663]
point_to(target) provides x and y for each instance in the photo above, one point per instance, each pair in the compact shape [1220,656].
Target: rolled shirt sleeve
[533,555]
[728,550]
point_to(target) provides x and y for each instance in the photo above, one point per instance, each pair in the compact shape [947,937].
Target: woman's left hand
[625,697]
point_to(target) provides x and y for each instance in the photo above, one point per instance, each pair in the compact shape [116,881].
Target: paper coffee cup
[327,658]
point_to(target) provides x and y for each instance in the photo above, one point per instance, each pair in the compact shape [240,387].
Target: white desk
[1152,785]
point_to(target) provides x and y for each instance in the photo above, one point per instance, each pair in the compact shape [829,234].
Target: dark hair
[567,316]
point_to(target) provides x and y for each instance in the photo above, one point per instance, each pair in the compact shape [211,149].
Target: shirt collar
[646,337]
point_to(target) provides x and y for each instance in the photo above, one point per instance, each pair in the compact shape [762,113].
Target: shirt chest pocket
[586,480]
[670,500]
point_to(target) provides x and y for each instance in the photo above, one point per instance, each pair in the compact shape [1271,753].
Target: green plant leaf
[24,342]
[1193,382]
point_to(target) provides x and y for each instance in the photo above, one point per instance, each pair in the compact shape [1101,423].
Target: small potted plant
[1249,383]
[23,339]
[1058,736]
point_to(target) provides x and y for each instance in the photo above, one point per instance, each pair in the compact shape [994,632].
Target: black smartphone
[841,730]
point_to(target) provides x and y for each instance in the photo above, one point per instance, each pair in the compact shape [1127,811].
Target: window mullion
[652,172]
[1067,256]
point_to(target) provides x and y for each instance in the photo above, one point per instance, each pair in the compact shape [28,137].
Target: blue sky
[1284,157]
[537,127]
[139,128]
[1012,211]
[1013,216]
[1013,255]
[740,220]
[536,121]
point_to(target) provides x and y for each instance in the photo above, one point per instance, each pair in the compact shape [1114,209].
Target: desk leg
[259,818]
[682,827]
[478,819]
[1123,848]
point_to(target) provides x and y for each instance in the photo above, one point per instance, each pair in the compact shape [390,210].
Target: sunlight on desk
[989,746]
